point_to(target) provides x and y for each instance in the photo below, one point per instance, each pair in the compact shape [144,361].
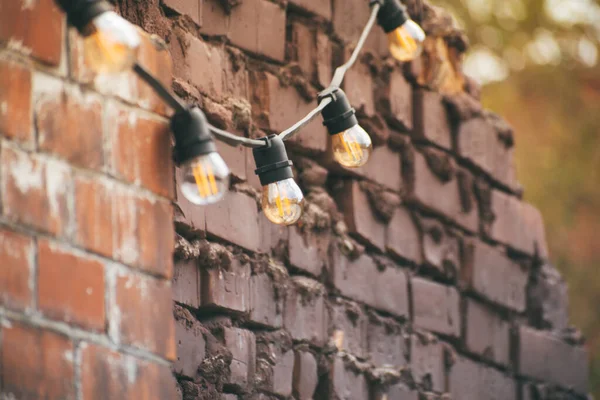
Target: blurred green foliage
[538,62]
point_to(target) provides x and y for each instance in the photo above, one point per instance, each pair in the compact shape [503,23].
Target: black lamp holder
[81,12]
[391,15]
[338,115]
[192,135]
[272,162]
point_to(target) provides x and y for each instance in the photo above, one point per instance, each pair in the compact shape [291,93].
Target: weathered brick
[308,252]
[491,273]
[305,315]
[362,280]
[305,375]
[548,299]
[427,362]
[138,303]
[395,392]
[311,49]
[547,358]
[283,374]
[186,283]
[191,8]
[384,168]
[471,381]
[319,7]
[436,307]
[348,325]
[141,151]
[33,28]
[35,191]
[349,19]
[441,249]
[324,56]
[266,304]
[16,119]
[347,383]
[242,345]
[360,218]
[69,122]
[387,345]
[535,224]
[432,122]
[223,220]
[215,19]
[394,99]
[106,374]
[273,237]
[403,239]
[36,364]
[486,334]
[226,289]
[79,298]
[359,87]
[16,274]
[191,346]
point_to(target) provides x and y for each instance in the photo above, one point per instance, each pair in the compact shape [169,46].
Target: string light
[405,36]
[112,44]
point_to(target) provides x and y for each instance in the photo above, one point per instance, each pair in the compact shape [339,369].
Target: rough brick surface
[348,327]
[432,122]
[305,315]
[427,362]
[487,334]
[436,307]
[347,383]
[17,260]
[16,117]
[471,381]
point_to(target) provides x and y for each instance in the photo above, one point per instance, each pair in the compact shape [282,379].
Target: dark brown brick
[228,290]
[347,383]
[548,299]
[191,346]
[187,213]
[349,18]
[319,7]
[395,392]
[283,373]
[17,259]
[362,280]
[305,315]
[359,86]
[436,307]
[348,327]
[394,99]
[242,345]
[431,119]
[305,375]
[16,119]
[383,168]
[386,342]
[36,364]
[266,302]
[471,381]
[545,357]
[308,252]
[441,249]
[427,362]
[486,334]
[403,238]
[190,8]
[491,273]
[186,283]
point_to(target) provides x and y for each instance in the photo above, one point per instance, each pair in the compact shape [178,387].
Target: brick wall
[422,275]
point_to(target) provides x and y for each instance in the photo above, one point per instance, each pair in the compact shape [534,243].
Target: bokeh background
[538,63]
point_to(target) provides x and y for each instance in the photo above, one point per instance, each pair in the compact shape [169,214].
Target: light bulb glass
[110,43]
[406,41]
[352,147]
[205,179]
[283,202]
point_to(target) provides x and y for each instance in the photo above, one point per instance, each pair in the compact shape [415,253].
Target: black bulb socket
[81,12]
[338,116]
[192,136]
[391,15]
[272,162]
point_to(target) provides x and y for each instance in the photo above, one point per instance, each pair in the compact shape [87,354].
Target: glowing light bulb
[283,202]
[111,43]
[352,147]
[406,41]
[205,179]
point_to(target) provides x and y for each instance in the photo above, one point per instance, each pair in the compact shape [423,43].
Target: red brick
[226,289]
[479,142]
[259,27]
[36,364]
[360,218]
[362,280]
[359,87]
[242,345]
[348,326]
[436,307]
[16,258]
[93,215]
[79,297]
[383,168]
[319,7]
[347,382]
[486,334]
[395,392]
[308,252]
[427,362]
[223,220]
[305,315]
[191,8]
[106,374]
[394,100]
[35,191]
[69,123]
[471,381]
[141,152]
[432,123]
[215,20]
[266,302]
[387,345]
[305,375]
[186,283]
[350,18]
[34,28]
[492,274]
[155,57]
[441,249]
[442,197]
[403,239]
[191,346]
[276,107]
[311,49]
[545,357]
[139,303]
[15,102]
